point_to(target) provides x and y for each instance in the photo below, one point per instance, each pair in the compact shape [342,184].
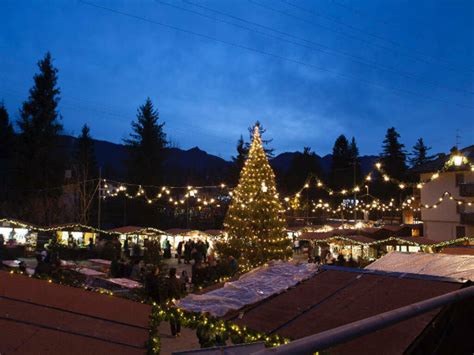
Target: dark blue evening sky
[360,67]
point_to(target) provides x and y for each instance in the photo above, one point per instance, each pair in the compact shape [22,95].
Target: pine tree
[254,223]
[85,169]
[265,142]
[146,146]
[7,137]
[6,132]
[302,166]
[40,126]
[420,153]
[239,160]
[393,156]
[41,161]
[354,150]
[341,168]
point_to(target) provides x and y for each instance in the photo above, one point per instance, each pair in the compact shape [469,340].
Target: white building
[448,176]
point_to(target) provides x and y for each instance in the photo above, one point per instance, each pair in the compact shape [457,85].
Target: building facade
[453,216]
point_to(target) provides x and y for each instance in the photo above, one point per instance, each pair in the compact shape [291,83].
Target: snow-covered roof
[454,266]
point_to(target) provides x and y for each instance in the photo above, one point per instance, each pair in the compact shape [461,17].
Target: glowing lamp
[458,159]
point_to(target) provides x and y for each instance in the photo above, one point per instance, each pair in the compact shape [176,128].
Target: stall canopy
[214,232]
[126,229]
[251,287]
[55,228]
[454,266]
[136,230]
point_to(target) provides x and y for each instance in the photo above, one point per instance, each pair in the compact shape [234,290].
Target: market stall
[138,235]
[177,235]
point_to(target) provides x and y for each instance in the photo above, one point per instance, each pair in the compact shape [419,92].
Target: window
[459,179]
[460,232]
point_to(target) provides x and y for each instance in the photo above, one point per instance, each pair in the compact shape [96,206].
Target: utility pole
[99,189]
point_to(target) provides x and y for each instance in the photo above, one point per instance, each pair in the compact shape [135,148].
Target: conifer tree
[7,137]
[420,153]
[146,146]
[354,150]
[41,159]
[393,155]
[265,142]
[341,168]
[255,226]
[239,159]
[39,124]
[302,166]
[6,132]
[85,169]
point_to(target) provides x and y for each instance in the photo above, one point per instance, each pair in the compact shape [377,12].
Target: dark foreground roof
[37,317]
[335,297]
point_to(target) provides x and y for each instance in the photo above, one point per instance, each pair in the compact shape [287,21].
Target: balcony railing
[466,190]
[467,218]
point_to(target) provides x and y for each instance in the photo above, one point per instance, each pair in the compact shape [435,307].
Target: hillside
[192,166]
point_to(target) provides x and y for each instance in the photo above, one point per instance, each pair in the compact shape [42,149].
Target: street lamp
[457,159]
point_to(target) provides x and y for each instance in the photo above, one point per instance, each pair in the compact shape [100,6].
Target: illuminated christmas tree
[254,221]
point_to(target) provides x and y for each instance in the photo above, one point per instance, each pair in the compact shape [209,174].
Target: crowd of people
[192,250]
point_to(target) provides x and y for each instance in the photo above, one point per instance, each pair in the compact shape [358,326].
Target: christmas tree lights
[254,223]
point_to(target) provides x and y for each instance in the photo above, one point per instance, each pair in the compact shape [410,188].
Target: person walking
[187,252]
[179,251]
[167,252]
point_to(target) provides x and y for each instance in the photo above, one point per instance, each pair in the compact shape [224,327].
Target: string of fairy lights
[293,202]
[173,195]
[410,203]
[215,196]
[314,181]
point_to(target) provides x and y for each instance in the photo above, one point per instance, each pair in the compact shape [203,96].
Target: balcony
[467,218]
[466,190]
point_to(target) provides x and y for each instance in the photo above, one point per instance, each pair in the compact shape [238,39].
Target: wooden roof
[334,298]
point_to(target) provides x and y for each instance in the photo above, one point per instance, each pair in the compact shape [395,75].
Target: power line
[323,48]
[342,33]
[359,13]
[113,114]
[374,35]
[276,56]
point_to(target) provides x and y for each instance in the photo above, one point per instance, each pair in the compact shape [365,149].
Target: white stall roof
[454,266]
[250,288]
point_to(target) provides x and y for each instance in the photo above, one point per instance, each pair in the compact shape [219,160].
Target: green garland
[153,344]
[400,241]
[216,330]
